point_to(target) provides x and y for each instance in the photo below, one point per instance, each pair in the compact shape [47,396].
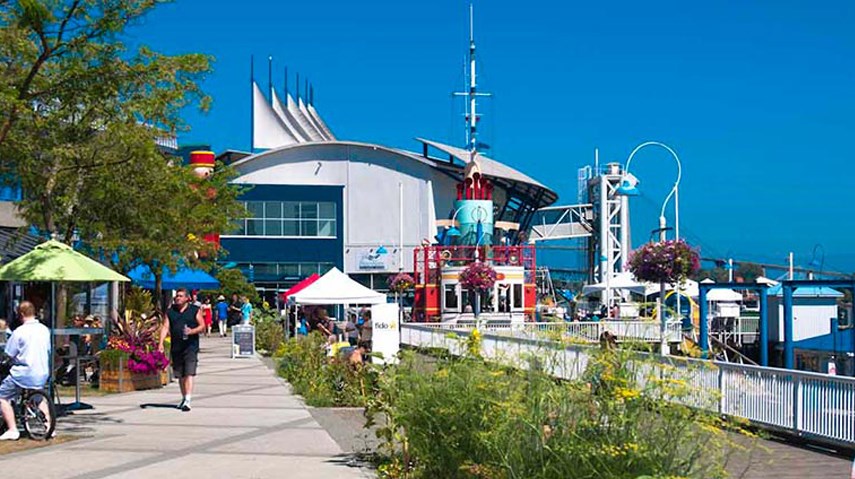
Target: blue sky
[756,97]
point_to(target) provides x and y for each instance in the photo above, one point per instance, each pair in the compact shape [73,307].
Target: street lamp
[628,188]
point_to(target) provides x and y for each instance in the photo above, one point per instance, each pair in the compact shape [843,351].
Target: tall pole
[251,104]
[790,256]
[270,75]
[400,226]
[473,116]
[730,270]
[660,303]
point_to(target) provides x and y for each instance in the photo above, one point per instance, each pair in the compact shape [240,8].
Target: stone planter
[122,381]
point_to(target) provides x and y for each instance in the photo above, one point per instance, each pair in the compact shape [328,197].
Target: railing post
[764,327]
[721,391]
[797,403]
[702,319]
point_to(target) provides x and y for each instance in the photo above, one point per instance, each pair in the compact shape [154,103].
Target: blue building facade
[290,232]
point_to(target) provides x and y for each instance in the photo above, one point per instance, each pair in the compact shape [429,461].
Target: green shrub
[269,334]
[321,380]
[109,359]
[469,418]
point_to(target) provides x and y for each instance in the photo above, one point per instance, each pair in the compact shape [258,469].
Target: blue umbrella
[184,277]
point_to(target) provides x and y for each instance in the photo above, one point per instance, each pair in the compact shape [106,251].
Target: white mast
[471,92]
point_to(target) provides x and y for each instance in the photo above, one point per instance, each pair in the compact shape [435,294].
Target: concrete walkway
[245,423]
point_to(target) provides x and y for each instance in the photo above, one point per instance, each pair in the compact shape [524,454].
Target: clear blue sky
[758,97]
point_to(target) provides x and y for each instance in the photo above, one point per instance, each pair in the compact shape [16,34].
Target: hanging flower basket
[670,261]
[478,276]
[401,282]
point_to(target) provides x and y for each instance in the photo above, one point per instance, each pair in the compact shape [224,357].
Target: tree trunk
[158,292]
[61,305]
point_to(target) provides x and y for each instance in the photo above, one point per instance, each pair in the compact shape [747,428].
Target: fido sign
[387,337]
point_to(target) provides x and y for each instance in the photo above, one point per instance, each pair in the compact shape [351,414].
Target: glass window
[289,270]
[307,269]
[451,302]
[273,209]
[326,211]
[255,227]
[291,209]
[323,268]
[518,296]
[239,227]
[273,227]
[255,209]
[326,227]
[264,270]
[308,210]
[309,228]
[290,228]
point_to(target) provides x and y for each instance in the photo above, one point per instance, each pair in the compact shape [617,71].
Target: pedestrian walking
[183,323]
[246,310]
[222,312]
[208,313]
[235,310]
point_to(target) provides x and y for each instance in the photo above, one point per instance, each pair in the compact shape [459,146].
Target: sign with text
[243,341]
[386,339]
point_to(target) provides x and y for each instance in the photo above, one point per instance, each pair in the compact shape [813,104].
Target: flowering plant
[478,276]
[670,261]
[137,337]
[401,282]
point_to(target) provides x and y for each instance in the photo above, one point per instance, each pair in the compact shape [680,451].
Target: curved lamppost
[627,188]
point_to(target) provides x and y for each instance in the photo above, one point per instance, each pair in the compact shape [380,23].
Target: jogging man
[29,348]
[184,322]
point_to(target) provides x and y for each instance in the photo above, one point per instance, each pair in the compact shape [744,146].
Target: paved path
[245,423]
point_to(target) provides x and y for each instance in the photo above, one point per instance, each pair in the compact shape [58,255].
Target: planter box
[123,381]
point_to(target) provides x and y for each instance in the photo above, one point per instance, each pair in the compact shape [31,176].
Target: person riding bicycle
[29,348]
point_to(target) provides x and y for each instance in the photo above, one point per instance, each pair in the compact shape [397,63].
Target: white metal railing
[589,331]
[813,405]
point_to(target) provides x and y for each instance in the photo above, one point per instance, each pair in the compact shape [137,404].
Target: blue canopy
[183,278]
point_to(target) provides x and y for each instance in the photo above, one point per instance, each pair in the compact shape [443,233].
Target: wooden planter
[122,381]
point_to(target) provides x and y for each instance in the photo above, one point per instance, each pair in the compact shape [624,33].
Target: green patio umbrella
[55,261]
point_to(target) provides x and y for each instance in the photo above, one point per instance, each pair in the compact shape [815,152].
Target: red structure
[436,268]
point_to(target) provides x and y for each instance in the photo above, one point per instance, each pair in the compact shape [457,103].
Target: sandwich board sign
[386,338]
[243,341]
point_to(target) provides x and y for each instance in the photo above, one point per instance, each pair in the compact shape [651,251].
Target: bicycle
[35,414]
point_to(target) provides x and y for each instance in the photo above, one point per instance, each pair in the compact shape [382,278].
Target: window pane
[327,210]
[264,270]
[272,209]
[290,228]
[272,228]
[326,228]
[291,209]
[239,227]
[254,227]
[289,270]
[518,296]
[307,269]
[255,209]
[451,297]
[309,228]
[308,210]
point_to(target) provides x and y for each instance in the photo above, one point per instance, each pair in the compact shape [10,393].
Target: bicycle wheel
[39,415]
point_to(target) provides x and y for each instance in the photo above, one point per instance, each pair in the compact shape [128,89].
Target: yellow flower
[627,393]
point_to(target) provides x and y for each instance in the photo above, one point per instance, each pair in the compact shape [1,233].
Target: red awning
[300,286]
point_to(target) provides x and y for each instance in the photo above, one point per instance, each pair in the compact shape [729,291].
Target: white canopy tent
[721,295]
[620,281]
[336,287]
[687,288]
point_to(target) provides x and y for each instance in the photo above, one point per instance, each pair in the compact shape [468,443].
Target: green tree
[232,281]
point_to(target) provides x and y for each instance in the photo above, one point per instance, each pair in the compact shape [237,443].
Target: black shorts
[184,363]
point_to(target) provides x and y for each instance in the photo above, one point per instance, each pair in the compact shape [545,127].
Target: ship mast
[471,91]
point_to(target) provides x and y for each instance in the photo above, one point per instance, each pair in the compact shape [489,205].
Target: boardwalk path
[245,423]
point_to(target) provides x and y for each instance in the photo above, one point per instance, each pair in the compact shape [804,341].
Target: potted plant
[132,361]
[478,278]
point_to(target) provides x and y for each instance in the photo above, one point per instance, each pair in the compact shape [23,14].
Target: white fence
[585,330]
[812,405]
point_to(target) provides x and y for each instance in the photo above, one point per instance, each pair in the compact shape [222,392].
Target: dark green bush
[269,334]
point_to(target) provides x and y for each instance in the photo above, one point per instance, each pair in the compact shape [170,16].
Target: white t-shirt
[30,347]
